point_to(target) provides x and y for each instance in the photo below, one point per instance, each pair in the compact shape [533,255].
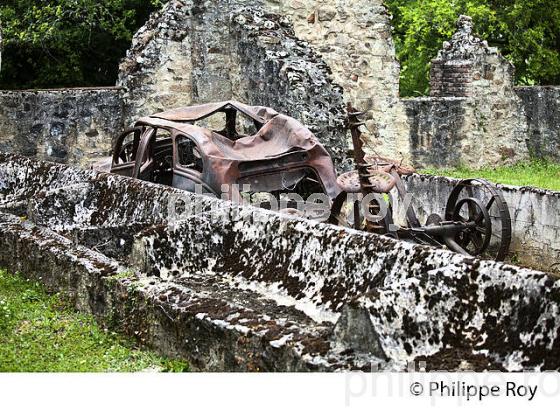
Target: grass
[539,174]
[40,333]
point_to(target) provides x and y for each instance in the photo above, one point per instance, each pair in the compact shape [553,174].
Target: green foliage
[122,275]
[526,31]
[56,43]
[39,333]
[536,173]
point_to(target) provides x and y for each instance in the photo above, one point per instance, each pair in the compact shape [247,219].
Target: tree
[58,43]
[532,33]
[526,31]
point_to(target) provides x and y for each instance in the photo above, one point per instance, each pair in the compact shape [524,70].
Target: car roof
[278,134]
[199,112]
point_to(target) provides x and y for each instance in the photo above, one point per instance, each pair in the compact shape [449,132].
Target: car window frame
[176,162]
[119,146]
[144,155]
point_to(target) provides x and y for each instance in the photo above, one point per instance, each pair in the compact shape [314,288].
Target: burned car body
[230,148]
[240,145]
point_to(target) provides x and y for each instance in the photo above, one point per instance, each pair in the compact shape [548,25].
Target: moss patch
[539,174]
[40,333]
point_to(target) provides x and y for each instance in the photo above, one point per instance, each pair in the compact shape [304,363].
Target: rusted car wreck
[240,146]
[229,148]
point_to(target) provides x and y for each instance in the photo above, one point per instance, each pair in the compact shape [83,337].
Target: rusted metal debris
[477,226]
[227,148]
[174,149]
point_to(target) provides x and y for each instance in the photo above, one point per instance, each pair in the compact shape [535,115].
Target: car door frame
[127,168]
[180,171]
[144,155]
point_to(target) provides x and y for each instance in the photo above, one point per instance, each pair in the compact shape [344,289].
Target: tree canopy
[527,32]
[61,43]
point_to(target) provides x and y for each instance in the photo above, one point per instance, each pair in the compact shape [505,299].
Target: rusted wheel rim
[492,199]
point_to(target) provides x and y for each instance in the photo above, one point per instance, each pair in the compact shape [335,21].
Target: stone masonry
[481,120]
[495,128]
[542,110]
[68,125]
[535,217]
[354,37]
[235,288]
[157,74]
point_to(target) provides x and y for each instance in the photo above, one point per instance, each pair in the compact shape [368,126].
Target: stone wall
[440,128]
[239,288]
[274,68]
[542,110]
[474,117]
[354,38]
[156,73]
[70,125]
[436,130]
[535,216]
[305,61]
[491,130]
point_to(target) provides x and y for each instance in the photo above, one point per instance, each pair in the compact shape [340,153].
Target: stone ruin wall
[156,75]
[207,300]
[535,217]
[66,125]
[542,111]
[233,288]
[474,85]
[475,115]
[192,53]
[196,51]
[355,38]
